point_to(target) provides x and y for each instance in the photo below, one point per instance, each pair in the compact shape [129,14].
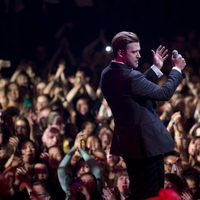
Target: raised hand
[77,141]
[176,117]
[44,156]
[186,196]
[14,141]
[159,56]
[22,175]
[108,194]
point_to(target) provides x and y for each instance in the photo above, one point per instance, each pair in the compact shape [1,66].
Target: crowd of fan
[56,129]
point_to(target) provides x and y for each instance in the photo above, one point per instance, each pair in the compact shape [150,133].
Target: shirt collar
[121,65]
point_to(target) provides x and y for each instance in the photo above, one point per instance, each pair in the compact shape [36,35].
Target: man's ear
[120,53]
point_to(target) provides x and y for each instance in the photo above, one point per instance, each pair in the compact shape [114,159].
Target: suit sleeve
[142,87]
[151,75]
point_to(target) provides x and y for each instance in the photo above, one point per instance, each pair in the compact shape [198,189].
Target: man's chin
[134,66]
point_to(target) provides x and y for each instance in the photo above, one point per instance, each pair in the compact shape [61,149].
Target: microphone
[175,53]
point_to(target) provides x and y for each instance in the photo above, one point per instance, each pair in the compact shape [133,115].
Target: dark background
[27,24]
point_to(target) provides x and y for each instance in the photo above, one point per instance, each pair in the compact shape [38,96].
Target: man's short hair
[122,39]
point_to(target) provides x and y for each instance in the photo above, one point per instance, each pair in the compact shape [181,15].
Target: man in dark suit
[139,135]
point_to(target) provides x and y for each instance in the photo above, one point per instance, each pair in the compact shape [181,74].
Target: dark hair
[27,124]
[177,181]
[95,192]
[22,142]
[122,39]
[8,85]
[191,173]
[24,73]
[78,195]
[78,165]
[44,185]
[172,153]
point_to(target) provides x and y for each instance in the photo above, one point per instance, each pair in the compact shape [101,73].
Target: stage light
[108,48]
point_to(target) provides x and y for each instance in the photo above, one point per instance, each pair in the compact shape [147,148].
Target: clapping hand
[108,194]
[159,56]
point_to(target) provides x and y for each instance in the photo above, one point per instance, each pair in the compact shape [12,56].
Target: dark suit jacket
[138,133]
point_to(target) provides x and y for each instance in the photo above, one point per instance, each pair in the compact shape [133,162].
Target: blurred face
[123,183]
[82,106]
[41,171]
[131,54]
[84,168]
[185,143]
[100,157]
[41,102]
[89,182]
[92,143]
[57,90]
[41,192]
[105,130]
[50,137]
[192,185]
[112,160]
[20,128]
[40,87]
[79,76]
[42,117]
[58,121]
[13,92]
[30,71]
[191,148]
[22,80]
[89,128]
[28,152]
[105,141]
[194,145]
[169,162]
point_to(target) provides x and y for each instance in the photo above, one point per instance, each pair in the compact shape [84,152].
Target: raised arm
[64,178]
[145,88]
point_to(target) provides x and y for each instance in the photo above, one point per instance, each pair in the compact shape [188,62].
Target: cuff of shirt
[176,68]
[156,70]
